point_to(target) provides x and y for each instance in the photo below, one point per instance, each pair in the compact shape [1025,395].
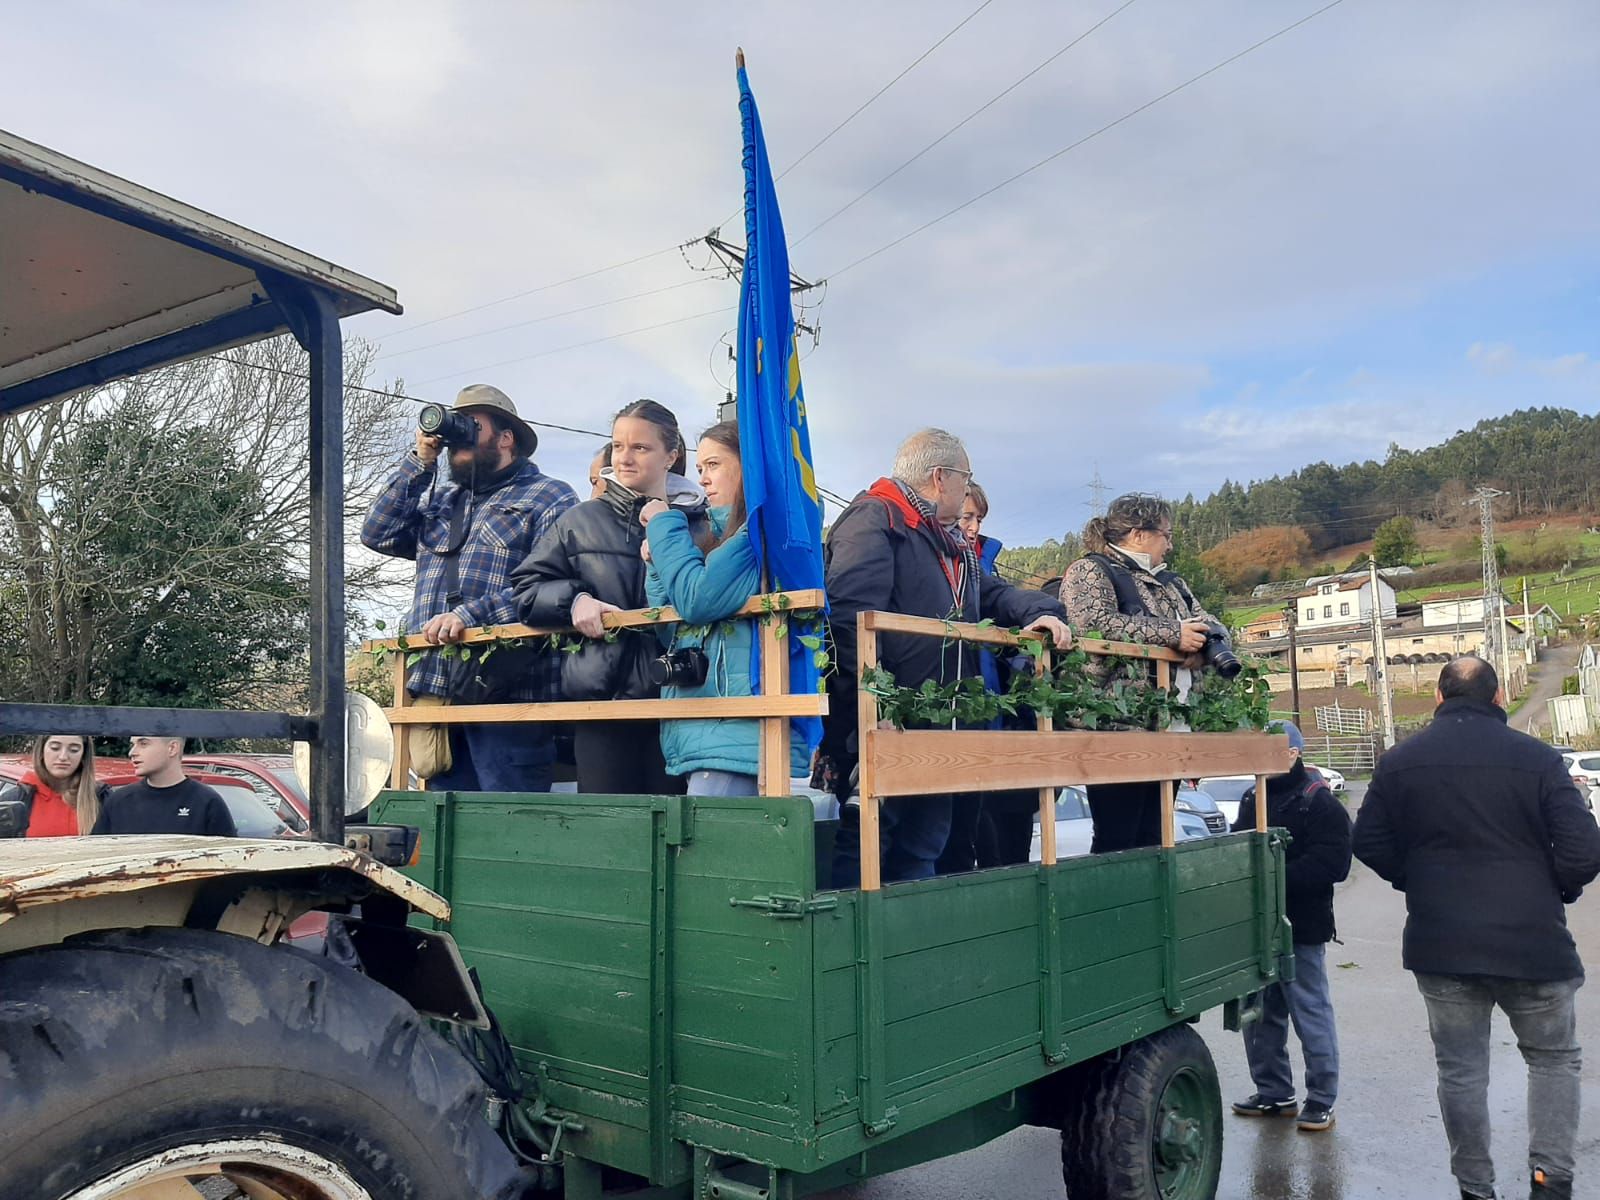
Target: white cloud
[1344,178]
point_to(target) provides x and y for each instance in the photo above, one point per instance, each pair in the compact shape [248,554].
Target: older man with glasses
[897,548]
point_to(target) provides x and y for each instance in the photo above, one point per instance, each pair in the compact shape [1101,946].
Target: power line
[1089,137]
[870,100]
[875,95]
[467,337]
[998,96]
[356,387]
[678,247]
[622,333]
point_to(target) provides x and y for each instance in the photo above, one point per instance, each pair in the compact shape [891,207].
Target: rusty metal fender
[39,872]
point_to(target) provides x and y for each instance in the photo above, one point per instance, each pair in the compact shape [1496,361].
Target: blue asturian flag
[780,488]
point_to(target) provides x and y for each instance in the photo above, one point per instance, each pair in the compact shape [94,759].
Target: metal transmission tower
[1097,493]
[1493,647]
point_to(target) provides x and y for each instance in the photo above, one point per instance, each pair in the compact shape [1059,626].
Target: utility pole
[1097,492]
[1493,631]
[1380,658]
[1293,611]
[1527,626]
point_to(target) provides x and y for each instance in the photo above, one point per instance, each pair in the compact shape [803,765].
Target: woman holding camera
[59,792]
[710,655]
[590,564]
[1123,591]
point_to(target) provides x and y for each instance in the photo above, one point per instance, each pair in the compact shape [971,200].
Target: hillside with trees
[1546,460]
[1409,509]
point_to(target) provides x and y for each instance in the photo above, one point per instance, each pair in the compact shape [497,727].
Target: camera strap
[460,525]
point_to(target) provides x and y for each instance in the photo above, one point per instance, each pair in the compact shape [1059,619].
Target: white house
[1336,602]
[1463,606]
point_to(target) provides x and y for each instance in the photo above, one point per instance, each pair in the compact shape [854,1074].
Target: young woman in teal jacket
[707,586]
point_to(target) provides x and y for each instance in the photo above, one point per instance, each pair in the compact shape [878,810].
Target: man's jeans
[510,757]
[1543,1017]
[912,831]
[1305,1001]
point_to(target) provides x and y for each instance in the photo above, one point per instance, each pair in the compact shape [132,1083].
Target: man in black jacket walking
[897,549]
[1483,830]
[1317,858]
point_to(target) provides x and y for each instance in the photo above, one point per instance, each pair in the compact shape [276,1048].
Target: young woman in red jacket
[60,790]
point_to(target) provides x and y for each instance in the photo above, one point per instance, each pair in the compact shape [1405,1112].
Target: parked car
[1202,804]
[1075,829]
[1334,779]
[1584,767]
[253,816]
[270,776]
[1227,791]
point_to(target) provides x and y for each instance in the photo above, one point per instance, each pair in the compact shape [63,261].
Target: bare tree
[210,461]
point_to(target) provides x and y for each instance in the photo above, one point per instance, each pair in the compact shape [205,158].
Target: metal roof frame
[101,279]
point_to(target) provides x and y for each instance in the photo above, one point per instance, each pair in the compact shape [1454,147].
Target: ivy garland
[1072,698]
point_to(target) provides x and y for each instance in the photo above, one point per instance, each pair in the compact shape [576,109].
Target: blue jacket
[705,589]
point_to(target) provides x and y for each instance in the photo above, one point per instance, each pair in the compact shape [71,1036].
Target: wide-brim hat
[485,397]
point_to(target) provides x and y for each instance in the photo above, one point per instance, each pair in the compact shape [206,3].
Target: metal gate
[1351,755]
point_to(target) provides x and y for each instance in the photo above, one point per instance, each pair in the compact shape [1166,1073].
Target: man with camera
[465,538]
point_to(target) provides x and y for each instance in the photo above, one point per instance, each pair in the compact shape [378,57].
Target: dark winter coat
[594,548]
[882,555]
[1483,830]
[1319,848]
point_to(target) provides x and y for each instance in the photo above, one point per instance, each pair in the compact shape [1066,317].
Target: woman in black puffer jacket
[590,564]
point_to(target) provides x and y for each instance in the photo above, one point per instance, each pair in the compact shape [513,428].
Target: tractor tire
[170,1054]
[1145,1124]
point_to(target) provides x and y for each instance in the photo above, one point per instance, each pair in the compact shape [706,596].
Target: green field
[1570,598]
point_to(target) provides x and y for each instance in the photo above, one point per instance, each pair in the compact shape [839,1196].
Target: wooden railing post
[1261,803]
[866,737]
[1169,792]
[400,775]
[774,742]
[1047,795]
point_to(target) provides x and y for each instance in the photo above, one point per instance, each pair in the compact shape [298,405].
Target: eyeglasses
[955,470]
[1162,533]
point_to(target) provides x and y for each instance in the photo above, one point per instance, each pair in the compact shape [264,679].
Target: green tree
[1394,543]
[154,533]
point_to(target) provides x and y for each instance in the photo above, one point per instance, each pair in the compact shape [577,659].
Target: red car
[253,816]
[271,776]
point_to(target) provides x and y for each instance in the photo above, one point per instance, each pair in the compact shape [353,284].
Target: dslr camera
[685,667]
[454,429]
[1218,652]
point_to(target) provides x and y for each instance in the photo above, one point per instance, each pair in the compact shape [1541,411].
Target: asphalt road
[1546,674]
[1388,1143]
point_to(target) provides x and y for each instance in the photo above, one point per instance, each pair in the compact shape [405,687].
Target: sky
[1380,227]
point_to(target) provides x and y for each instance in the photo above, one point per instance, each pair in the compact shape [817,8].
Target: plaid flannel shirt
[405,522]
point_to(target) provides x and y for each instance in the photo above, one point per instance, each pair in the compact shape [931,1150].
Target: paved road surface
[1388,1145]
[1547,674]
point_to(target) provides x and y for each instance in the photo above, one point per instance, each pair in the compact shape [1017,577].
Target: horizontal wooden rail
[808,600]
[932,762]
[692,708]
[993,635]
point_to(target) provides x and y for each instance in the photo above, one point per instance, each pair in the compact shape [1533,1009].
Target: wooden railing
[893,762]
[923,762]
[773,707]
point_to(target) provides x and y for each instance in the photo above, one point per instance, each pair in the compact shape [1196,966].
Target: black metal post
[321,337]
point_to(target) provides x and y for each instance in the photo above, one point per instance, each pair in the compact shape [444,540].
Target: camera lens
[430,418]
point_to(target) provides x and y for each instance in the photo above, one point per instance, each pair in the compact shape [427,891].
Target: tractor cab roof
[101,278]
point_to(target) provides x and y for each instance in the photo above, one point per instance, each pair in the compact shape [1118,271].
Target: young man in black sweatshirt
[165,800]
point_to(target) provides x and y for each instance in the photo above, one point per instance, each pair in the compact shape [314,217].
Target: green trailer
[701,1015]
